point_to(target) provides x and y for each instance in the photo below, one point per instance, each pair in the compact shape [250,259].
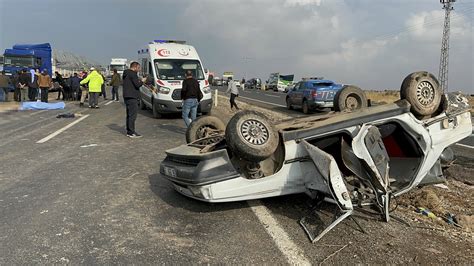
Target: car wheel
[142,104]
[251,136]
[154,108]
[204,126]
[421,90]
[288,104]
[305,107]
[350,98]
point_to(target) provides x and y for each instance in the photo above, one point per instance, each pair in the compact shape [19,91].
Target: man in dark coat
[74,81]
[131,86]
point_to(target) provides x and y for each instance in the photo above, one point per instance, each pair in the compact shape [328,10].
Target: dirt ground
[441,242]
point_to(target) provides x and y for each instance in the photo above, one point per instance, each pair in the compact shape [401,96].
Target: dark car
[254,83]
[312,94]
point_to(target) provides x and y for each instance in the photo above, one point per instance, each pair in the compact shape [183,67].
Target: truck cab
[164,64]
[29,56]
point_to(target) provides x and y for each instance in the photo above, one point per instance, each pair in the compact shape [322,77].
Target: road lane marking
[276,96]
[279,105]
[293,254]
[465,146]
[54,134]
[109,103]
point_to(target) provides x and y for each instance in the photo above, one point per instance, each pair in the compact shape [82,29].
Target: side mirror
[149,81]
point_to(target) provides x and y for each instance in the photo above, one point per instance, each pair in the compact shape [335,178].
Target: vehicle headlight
[206,90]
[164,90]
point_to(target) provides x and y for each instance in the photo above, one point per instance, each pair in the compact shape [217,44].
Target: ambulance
[164,64]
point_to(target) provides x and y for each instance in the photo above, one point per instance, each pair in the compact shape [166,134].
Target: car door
[300,93]
[293,94]
[368,146]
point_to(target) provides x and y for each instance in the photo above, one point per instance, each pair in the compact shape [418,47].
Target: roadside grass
[383,97]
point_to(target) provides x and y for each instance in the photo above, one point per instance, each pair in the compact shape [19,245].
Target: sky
[373,44]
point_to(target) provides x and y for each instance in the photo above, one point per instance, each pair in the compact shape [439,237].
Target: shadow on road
[164,190]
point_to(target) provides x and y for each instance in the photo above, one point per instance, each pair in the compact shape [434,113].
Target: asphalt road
[90,195]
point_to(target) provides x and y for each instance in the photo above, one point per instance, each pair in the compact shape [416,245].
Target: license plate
[169,171]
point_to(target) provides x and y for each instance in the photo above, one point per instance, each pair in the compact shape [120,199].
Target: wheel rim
[254,132]
[425,93]
[352,102]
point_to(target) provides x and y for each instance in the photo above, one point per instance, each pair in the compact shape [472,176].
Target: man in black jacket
[131,86]
[191,95]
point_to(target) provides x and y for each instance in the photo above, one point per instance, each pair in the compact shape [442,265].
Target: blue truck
[28,56]
[312,94]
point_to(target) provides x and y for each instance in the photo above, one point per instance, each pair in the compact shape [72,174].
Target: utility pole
[443,64]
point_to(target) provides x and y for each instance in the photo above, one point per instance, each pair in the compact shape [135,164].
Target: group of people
[35,86]
[29,85]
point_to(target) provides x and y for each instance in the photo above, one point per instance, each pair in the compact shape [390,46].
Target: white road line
[293,254]
[52,135]
[279,105]
[109,103]
[276,96]
[105,102]
[465,146]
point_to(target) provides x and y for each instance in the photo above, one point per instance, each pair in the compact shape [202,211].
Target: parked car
[351,158]
[253,83]
[318,94]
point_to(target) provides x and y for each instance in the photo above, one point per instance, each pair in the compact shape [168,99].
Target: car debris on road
[364,157]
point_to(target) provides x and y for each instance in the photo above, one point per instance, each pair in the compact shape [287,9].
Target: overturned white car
[358,157]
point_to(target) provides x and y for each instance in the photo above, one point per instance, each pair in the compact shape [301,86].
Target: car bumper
[167,106]
[187,166]
[322,104]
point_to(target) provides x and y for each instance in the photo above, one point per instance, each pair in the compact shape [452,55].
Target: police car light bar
[169,41]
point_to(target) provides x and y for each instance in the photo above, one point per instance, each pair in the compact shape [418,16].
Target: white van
[165,63]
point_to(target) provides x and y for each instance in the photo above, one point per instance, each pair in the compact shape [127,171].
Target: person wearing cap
[95,81]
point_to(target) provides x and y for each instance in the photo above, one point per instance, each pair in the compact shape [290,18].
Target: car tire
[142,104]
[199,128]
[156,113]
[305,107]
[251,136]
[288,104]
[421,90]
[349,98]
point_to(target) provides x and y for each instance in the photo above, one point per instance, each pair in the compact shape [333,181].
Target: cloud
[345,42]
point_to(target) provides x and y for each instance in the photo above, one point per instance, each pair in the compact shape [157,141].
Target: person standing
[131,85]
[115,83]
[234,92]
[74,81]
[62,85]
[102,88]
[95,81]
[4,86]
[191,95]
[16,93]
[23,82]
[33,85]
[84,89]
[44,82]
